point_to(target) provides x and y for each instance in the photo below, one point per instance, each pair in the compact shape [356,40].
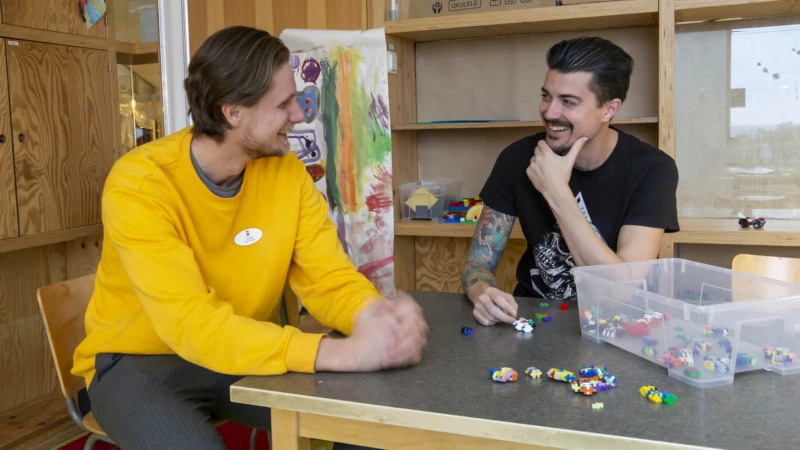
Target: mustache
[558,123]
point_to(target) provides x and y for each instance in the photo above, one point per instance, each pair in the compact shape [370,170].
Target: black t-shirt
[636,185]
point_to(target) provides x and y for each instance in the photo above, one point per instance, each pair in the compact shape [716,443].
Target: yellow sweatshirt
[186,272]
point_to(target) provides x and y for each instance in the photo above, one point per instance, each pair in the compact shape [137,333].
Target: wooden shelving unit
[521,124]
[427,253]
[702,10]
[589,16]
[136,48]
[435,229]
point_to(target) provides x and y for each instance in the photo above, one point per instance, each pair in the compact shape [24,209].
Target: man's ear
[232,114]
[611,109]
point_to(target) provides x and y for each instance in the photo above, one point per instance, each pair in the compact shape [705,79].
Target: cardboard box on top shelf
[582,2]
[438,8]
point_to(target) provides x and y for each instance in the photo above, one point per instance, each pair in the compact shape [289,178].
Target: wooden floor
[39,425]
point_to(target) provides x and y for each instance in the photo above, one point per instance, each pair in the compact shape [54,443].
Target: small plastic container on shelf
[703,323]
[428,199]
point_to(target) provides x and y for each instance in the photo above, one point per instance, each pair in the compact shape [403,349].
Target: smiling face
[261,130]
[569,109]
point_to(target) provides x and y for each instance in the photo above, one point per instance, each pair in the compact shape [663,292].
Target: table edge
[438,422]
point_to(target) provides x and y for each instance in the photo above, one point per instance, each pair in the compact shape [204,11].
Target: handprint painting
[345,140]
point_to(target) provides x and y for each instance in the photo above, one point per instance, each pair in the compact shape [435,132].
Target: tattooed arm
[488,243]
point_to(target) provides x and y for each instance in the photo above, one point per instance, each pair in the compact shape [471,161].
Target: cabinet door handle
[2,138]
[21,137]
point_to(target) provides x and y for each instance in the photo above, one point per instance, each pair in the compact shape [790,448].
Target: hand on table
[493,305]
[386,335]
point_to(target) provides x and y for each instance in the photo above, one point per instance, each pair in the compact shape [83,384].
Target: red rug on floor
[235,436]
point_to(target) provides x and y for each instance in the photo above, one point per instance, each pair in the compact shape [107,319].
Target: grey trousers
[165,402]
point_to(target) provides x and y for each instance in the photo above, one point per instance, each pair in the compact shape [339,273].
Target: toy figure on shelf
[421,202]
[756,222]
[467,211]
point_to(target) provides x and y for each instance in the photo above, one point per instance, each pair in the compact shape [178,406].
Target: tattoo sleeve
[488,243]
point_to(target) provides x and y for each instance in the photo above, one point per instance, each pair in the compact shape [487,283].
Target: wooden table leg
[286,431]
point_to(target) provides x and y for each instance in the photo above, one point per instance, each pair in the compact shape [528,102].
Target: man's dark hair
[234,66]
[610,66]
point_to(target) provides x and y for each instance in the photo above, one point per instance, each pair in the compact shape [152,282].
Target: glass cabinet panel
[737,110]
[139,72]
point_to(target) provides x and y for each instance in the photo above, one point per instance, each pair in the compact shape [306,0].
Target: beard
[562,149]
[277,146]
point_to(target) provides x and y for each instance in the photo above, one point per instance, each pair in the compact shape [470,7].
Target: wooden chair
[779,268]
[63,306]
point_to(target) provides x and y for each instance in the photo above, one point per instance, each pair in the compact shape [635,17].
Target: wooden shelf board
[137,48]
[693,231]
[589,16]
[53,237]
[703,10]
[483,125]
[433,229]
[12,32]
[784,233]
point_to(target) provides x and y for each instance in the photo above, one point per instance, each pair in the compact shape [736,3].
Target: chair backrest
[63,306]
[779,268]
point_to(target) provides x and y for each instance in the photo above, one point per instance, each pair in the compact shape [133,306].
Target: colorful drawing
[304,144]
[311,70]
[309,101]
[346,140]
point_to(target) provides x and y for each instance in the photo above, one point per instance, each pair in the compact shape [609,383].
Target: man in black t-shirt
[585,192]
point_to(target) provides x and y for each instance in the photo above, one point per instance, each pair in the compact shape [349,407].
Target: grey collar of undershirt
[220,191]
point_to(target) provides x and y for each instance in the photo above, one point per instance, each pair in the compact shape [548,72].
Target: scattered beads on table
[523,324]
[654,395]
[561,375]
[597,406]
[503,374]
[467,330]
[544,305]
[564,306]
[533,372]
[543,317]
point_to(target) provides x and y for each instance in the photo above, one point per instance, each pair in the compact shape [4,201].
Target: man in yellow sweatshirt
[203,228]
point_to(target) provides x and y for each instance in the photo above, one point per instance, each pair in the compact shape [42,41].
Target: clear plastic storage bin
[703,323]
[428,199]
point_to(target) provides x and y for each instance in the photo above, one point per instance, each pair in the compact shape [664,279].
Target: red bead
[564,306]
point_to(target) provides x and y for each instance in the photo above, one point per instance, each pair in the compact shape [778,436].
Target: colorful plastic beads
[654,395]
[597,406]
[649,341]
[649,351]
[503,374]
[692,372]
[533,372]
[544,305]
[543,317]
[714,331]
[561,375]
[744,360]
[564,306]
[467,331]
[523,324]
[678,328]
[779,355]
[594,379]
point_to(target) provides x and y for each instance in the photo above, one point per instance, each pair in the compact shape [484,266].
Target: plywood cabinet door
[61,120]
[54,15]
[8,196]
